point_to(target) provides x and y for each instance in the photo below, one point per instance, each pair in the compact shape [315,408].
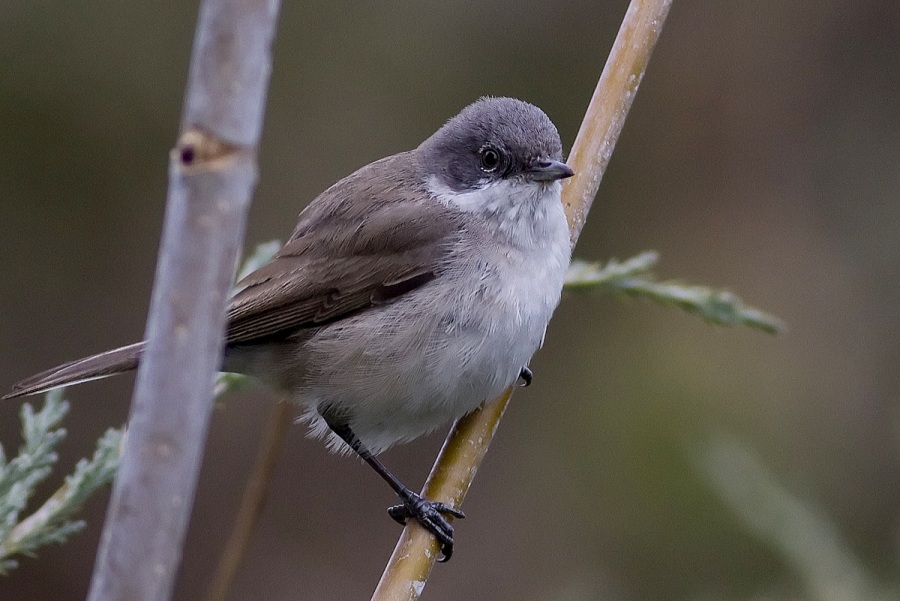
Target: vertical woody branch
[408,569]
[212,175]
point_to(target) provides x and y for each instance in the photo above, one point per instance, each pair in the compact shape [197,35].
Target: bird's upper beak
[548,170]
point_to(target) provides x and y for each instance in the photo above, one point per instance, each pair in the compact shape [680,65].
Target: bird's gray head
[494,139]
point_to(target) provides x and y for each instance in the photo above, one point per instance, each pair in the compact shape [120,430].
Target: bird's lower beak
[548,170]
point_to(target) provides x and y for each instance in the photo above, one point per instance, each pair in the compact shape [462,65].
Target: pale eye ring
[490,158]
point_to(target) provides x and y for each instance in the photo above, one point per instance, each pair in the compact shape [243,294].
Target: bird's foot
[526,375]
[429,514]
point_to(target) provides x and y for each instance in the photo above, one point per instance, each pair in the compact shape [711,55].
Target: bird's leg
[526,376]
[428,513]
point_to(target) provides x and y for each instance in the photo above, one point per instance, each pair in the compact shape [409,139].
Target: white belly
[399,371]
[442,350]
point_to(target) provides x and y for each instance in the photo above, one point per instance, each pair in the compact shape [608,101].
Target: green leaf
[633,277]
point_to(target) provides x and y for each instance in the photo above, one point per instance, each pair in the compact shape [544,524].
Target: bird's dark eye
[490,158]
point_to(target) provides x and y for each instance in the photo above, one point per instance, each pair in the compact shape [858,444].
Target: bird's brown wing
[367,240]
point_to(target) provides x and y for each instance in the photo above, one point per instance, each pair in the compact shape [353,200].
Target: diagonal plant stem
[408,569]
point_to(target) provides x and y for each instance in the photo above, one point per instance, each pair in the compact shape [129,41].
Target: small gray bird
[410,292]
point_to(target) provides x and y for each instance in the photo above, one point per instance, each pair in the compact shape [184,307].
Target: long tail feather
[103,365]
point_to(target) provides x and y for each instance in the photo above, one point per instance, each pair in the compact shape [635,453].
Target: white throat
[526,213]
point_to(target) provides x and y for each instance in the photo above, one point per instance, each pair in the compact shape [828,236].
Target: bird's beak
[548,170]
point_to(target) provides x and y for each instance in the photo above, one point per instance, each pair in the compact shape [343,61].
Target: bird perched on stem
[410,292]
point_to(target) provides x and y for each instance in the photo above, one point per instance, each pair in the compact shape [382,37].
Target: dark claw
[526,376]
[428,513]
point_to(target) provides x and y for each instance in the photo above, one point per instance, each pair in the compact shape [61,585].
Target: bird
[410,292]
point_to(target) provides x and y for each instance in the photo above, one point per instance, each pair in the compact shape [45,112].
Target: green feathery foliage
[52,522]
[633,277]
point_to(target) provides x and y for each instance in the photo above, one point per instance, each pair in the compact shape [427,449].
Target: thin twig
[252,501]
[408,569]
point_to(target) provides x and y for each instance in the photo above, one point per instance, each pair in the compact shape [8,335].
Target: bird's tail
[106,364]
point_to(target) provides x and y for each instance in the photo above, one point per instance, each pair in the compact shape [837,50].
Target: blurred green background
[761,155]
